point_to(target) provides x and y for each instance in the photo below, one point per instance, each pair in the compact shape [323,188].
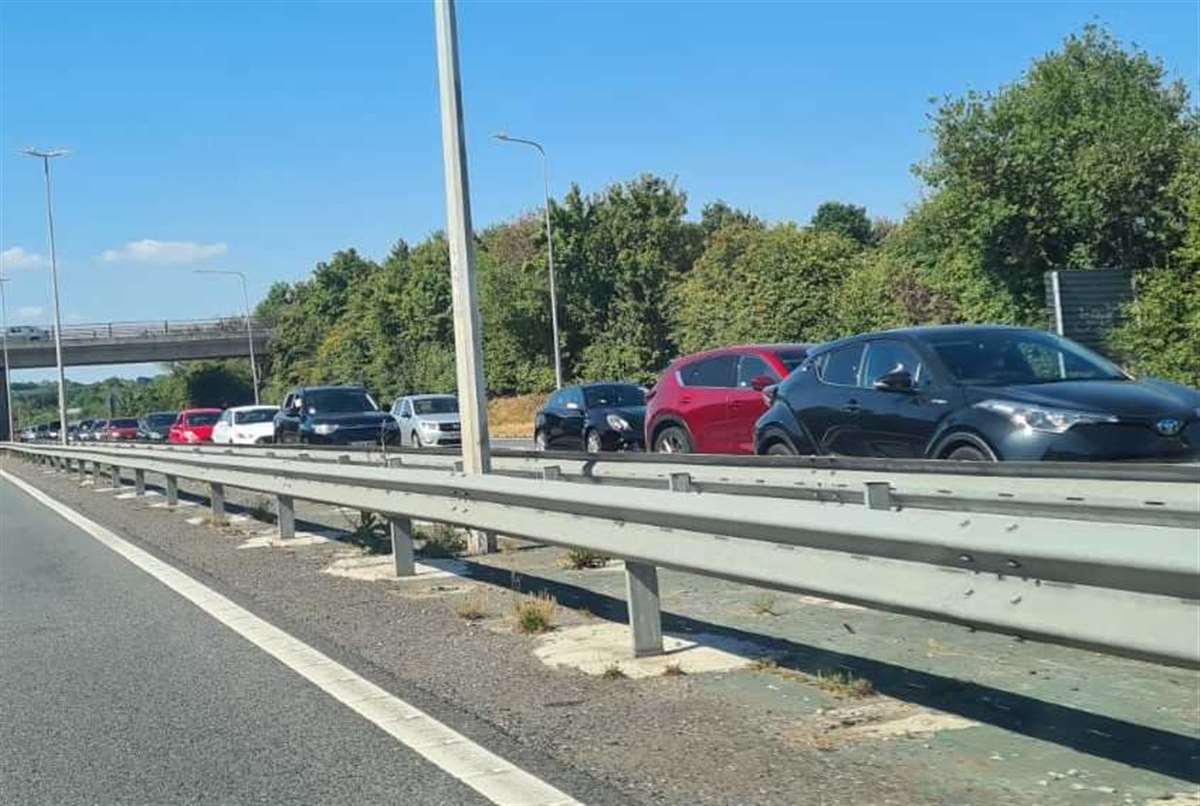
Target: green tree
[845,219]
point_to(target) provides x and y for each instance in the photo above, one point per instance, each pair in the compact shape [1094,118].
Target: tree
[845,219]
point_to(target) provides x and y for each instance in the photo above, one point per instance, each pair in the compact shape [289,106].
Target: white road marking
[487,773]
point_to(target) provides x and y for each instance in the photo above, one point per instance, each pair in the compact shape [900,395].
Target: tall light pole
[45,157]
[558,378]
[468,344]
[249,331]
[7,376]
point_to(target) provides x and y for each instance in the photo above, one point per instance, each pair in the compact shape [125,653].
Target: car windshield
[339,401]
[791,358]
[158,420]
[252,416]
[1018,357]
[435,405]
[124,423]
[203,418]
[616,394]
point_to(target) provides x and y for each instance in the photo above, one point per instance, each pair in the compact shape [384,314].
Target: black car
[593,417]
[156,425]
[334,415]
[976,393]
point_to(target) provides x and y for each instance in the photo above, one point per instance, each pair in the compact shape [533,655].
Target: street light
[45,157]
[558,378]
[7,376]
[249,331]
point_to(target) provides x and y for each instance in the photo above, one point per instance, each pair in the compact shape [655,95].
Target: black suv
[334,415]
[976,393]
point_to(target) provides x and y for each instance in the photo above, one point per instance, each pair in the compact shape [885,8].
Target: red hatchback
[708,402]
[193,425]
[121,428]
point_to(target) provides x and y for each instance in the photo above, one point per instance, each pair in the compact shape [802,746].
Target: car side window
[889,355]
[751,367]
[717,371]
[406,409]
[840,367]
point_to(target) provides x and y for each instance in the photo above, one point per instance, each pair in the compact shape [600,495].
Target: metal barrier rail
[935,486]
[1123,589]
[160,328]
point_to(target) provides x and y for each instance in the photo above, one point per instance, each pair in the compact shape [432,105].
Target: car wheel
[672,439]
[539,441]
[592,442]
[780,448]
[968,453]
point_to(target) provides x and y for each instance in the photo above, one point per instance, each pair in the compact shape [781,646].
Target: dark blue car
[973,392]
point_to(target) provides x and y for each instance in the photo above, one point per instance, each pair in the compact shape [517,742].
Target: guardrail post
[139,481]
[172,491]
[680,482]
[552,473]
[216,496]
[645,617]
[81,470]
[116,477]
[877,494]
[402,545]
[285,516]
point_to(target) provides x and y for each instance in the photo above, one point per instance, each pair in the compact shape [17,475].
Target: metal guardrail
[191,328]
[1164,495]
[1128,589]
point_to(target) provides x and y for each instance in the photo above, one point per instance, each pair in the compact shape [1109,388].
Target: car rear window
[791,358]
[166,418]
[203,418]
[123,424]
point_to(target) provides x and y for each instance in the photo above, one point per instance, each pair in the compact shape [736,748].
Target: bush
[1161,334]
[535,613]
[441,540]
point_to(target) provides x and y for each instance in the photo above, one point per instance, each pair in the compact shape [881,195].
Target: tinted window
[339,401]
[716,371]
[791,358]
[203,418]
[254,416]
[161,419]
[124,423]
[750,367]
[841,366]
[436,405]
[1003,357]
[891,356]
[616,394]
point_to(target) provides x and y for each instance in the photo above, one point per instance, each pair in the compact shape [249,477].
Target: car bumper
[632,441]
[1117,442]
[351,437]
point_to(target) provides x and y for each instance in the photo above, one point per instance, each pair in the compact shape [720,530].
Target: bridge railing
[179,329]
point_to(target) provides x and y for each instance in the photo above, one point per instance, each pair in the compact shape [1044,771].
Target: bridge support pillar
[139,482]
[172,491]
[285,516]
[216,497]
[402,546]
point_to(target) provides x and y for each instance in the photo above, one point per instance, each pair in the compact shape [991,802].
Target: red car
[708,402]
[120,428]
[193,425]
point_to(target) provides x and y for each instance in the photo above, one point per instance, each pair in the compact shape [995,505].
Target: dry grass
[613,671]
[535,613]
[579,559]
[764,605]
[673,670]
[440,540]
[513,416]
[841,684]
[473,606]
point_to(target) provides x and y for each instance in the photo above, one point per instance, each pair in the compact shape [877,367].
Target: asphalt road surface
[115,689]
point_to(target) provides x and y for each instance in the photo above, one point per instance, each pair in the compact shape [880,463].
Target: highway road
[117,689]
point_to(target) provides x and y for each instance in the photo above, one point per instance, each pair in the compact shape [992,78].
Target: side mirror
[900,380]
[761,382]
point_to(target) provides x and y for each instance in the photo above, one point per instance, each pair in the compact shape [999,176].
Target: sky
[263,137]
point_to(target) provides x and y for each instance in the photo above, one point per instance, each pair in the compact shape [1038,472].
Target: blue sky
[264,136]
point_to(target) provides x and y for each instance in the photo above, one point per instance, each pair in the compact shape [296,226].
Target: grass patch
[582,558]
[535,613]
[841,684]
[472,607]
[673,670]
[613,671]
[440,540]
[513,416]
[371,532]
[764,605]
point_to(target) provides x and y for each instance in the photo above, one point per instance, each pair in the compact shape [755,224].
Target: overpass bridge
[135,343]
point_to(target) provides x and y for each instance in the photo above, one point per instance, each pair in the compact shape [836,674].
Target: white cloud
[17,258]
[28,313]
[149,250]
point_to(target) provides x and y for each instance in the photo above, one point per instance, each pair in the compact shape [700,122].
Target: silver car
[428,421]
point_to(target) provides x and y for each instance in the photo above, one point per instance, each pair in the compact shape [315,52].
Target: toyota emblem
[1168,427]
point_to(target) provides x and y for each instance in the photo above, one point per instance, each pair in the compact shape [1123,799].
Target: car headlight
[324,429]
[1041,418]
[426,425]
[618,423]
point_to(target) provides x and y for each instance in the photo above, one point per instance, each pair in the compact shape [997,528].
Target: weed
[613,671]
[371,532]
[261,509]
[764,663]
[440,540]
[673,670]
[764,605]
[473,606]
[535,613]
[582,558]
[843,685]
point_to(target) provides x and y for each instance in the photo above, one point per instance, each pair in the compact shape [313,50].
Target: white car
[428,421]
[245,425]
[28,333]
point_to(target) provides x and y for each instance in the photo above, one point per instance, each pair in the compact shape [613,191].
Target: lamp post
[45,157]
[249,330]
[7,377]
[558,378]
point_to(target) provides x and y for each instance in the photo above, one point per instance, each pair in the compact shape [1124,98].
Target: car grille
[449,427]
